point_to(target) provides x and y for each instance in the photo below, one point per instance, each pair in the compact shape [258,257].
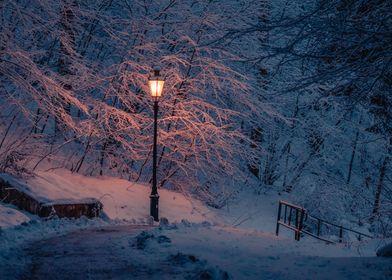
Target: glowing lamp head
[156,83]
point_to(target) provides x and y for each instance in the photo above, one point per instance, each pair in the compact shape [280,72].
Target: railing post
[340,234]
[301,222]
[285,213]
[278,220]
[318,227]
[296,224]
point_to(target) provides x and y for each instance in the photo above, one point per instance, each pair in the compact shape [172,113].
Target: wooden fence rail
[296,218]
[293,218]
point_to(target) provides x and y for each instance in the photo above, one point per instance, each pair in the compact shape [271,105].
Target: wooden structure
[11,192]
[297,219]
[291,218]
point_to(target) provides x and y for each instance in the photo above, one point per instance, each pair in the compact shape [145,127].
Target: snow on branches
[75,73]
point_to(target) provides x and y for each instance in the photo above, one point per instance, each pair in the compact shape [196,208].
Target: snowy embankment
[236,242]
[122,200]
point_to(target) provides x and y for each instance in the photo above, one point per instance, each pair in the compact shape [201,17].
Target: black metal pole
[154,197]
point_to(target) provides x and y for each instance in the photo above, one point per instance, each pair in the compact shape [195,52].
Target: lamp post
[156,83]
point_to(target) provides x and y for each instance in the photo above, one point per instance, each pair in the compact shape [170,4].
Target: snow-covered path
[85,254]
[194,251]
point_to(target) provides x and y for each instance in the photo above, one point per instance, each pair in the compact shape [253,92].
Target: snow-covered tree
[81,68]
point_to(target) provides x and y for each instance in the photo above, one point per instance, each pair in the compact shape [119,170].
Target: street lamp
[156,83]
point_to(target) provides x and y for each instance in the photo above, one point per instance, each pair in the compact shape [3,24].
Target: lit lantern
[156,83]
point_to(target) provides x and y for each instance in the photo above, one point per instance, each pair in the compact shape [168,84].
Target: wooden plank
[278,220]
[318,237]
[339,226]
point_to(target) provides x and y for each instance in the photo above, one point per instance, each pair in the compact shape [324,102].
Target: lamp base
[154,202]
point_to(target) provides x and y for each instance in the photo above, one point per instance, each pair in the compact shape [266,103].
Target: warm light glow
[156,86]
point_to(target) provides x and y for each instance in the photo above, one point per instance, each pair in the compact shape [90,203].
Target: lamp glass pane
[156,87]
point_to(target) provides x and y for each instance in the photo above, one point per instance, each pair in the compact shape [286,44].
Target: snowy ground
[193,251]
[10,216]
[236,242]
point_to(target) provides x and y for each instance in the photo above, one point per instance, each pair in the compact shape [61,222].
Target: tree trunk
[256,137]
[380,186]
[350,166]
[380,183]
